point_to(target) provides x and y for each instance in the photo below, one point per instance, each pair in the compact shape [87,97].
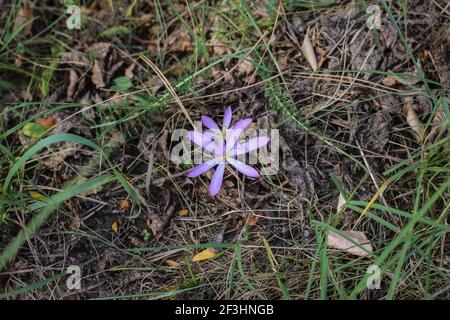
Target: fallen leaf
[253,219]
[308,52]
[37,196]
[414,121]
[341,202]
[205,255]
[337,241]
[46,122]
[97,75]
[115,226]
[389,81]
[172,263]
[124,203]
[33,130]
[158,223]
[183,212]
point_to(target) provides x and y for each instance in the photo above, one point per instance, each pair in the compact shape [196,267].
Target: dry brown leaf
[46,122]
[73,82]
[414,121]
[204,255]
[389,81]
[124,203]
[97,75]
[337,241]
[115,226]
[253,219]
[172,263]
[341,202]
[308,52]
[183,212]
[158,223]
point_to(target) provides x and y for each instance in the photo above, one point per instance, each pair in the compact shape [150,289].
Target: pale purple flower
[224,144]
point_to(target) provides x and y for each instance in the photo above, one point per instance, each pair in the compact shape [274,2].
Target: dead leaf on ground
[205,255]
[97,75]
[389,81]
[337,241]
[413,120]
[158,223]
[46,122]
[124,204]
[183,212]
[252,219]
[172,263]
[308,52]
[341,202]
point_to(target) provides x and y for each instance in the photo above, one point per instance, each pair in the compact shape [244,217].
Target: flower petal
[202,139]
[242,124]
[209,122]
[232,138]
[250,145]
[243,168]
[216,181]
[227,117]
[202,168]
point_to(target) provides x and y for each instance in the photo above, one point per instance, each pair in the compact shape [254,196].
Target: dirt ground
[354,137]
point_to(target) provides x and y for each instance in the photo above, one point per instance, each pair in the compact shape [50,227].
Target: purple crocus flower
[224,144]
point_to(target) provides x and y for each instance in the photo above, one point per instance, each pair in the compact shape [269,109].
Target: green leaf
[34,130]
[115,31]
[122,84]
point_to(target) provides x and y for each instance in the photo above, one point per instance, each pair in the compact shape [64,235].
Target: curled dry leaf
[124,204]
[114,226]
[97,75]
[172,263]
[337,241]
[414,121]
[341,202]
[308,52]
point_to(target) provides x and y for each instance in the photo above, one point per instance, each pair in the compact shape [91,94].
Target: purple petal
[217,178]
[250,145]
[232,138]
[243,168]
[242,124]
[202,168]
[227,117]
[209,122]
[201,139]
